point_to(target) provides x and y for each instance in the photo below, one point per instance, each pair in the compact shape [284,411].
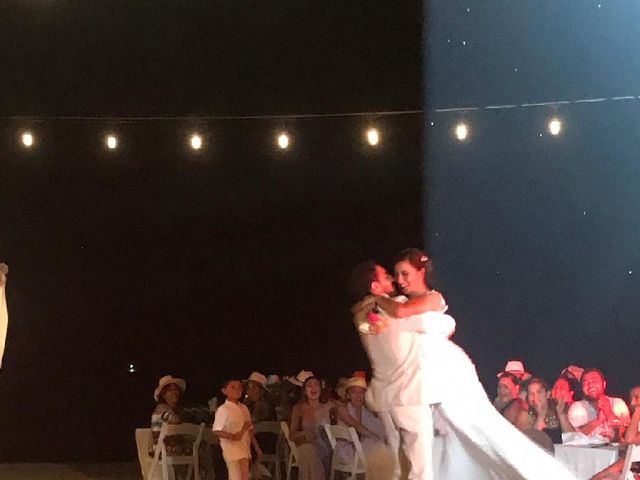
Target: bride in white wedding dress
[479,443]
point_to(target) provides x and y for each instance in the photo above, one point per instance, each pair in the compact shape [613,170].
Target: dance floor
[70,471]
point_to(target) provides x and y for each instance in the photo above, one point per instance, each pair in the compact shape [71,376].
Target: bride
[478,442]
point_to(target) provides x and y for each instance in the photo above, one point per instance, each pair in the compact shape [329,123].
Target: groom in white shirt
[396,390]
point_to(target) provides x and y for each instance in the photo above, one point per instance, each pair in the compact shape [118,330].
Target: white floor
[64,471]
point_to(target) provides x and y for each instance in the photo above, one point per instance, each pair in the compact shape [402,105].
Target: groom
[396,390]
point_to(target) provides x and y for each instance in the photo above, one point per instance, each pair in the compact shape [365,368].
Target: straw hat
[168,380]
[301,377]
[515,367]
[257,377]
[355,382]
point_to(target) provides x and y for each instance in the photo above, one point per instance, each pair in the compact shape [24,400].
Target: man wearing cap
[255,400]
[397,390]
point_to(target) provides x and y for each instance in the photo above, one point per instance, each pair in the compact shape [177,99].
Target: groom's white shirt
[397,357]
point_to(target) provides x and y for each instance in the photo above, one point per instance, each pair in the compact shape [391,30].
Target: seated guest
[509,403]
[566,389]
[597,414]
[516,367]
[168,394]
[631,437]
[308,418]
[255,399]
[380,460]
[290,394]
[544,414]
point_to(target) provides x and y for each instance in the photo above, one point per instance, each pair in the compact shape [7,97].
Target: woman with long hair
[478,442]
[308,418]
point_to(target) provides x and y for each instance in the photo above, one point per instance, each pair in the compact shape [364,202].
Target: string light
[373,137]
[112,142]
[27,139]
[555,126]
[462,131]
[195,141]
[283,141]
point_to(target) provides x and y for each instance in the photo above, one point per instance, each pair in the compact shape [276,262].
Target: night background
[235,259]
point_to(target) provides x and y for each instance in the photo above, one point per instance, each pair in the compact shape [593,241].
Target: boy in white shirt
[232,425]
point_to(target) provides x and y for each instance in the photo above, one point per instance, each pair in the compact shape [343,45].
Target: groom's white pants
[410,428]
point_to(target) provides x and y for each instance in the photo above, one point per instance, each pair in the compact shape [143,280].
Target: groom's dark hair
[361,278]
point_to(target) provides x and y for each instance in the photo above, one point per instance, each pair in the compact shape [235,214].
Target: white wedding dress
[479,443]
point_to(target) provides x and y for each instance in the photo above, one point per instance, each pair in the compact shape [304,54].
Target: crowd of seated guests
[305,402]
[577,402]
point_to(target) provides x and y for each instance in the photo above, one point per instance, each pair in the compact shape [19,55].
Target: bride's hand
[365,305]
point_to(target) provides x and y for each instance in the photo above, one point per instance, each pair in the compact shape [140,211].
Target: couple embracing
[419,374]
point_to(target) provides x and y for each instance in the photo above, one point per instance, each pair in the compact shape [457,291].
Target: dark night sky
[235,259]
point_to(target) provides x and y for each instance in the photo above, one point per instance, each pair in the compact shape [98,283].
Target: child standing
[232,425]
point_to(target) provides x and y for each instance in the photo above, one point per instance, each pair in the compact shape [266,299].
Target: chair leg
[196,468]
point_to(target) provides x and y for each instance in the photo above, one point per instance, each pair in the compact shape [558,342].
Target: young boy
[232,425]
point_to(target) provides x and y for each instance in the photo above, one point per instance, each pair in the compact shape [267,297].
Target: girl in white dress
[478,442]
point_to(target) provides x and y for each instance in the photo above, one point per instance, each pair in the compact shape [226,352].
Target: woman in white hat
[481,442]
[380,460]
[167,395]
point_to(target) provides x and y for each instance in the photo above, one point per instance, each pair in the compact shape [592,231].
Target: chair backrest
[267,427]
[292,446]
[189,429]
[633,455]
[347,434]
[143,441]
[337,432]
[167,430]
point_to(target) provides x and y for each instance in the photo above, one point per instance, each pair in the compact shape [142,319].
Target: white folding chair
[348,435]
[168,461]
[292,458]
[272,459]
[633,455]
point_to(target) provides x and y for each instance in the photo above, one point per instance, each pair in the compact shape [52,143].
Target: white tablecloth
[584,462]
